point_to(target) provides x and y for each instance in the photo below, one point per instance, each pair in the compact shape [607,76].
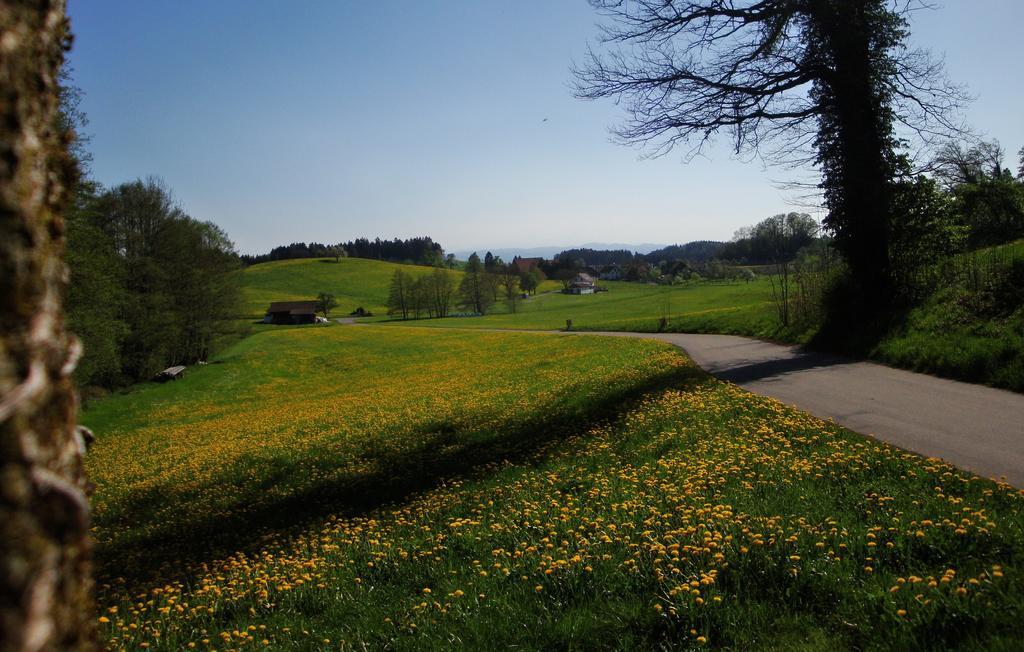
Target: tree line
[483,284]
[416,251]
[698,251]
[149,286]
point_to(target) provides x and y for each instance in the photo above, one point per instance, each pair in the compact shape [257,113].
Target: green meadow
[971,328]
[745,308]
[354,282]
[379,487]
[742,308]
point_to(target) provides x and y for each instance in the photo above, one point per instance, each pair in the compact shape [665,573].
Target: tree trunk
[45,590]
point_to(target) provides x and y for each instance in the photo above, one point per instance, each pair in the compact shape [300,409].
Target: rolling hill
[354,282]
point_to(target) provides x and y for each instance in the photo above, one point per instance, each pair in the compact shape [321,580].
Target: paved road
[974,427]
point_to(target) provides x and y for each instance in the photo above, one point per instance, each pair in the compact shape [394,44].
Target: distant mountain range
[508,253]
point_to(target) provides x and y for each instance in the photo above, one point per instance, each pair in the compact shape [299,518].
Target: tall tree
[508,277]
[821,81]
[45,590]
[475,290]
[400,294]
[988,200]
[442,289]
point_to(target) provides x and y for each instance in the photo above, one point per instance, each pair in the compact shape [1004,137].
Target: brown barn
[291,312]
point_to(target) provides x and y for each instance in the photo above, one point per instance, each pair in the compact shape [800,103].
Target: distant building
[291,312]
[525,265]
[582,284]
[611,273]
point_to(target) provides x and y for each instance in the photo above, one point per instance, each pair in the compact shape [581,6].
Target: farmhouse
[291,312]
[582,284]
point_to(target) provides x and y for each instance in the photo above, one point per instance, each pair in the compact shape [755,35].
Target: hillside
[391,488]
[354,282]
[972,326]
[740,308]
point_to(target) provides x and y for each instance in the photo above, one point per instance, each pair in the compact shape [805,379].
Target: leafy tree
[400,294]
[822,81]
[489,261]
[179,277]
[95,293]
[325,302]
[993,210]
[442,291]
[928,233]
[449,260]
[475,290]
[529,281]
[508,277]
[986,197]
[773,240]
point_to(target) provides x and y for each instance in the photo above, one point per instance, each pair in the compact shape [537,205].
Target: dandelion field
[382,487]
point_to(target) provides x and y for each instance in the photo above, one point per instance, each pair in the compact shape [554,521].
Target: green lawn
[334,487]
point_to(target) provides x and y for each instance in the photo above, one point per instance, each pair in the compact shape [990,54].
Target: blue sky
[300,121]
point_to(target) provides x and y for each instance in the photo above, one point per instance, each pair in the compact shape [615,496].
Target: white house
[582,284]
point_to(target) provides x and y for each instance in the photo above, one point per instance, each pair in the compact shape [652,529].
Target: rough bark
[45,589]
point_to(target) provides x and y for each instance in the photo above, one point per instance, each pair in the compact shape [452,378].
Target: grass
[952,333]
[971,328]
[381,487]
[740,308]
[354,282]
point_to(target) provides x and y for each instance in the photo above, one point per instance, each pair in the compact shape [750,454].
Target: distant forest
[699,251]
[419,251]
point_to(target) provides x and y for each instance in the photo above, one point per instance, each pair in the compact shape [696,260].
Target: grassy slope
[745,308]
[410,489]
[946,335]
[354,282]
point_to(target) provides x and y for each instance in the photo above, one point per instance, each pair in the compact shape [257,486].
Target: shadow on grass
[161,549]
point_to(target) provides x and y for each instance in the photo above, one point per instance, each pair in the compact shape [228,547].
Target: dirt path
[974,427]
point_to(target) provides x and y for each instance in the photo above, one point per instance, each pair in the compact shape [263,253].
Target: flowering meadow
[393,488]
